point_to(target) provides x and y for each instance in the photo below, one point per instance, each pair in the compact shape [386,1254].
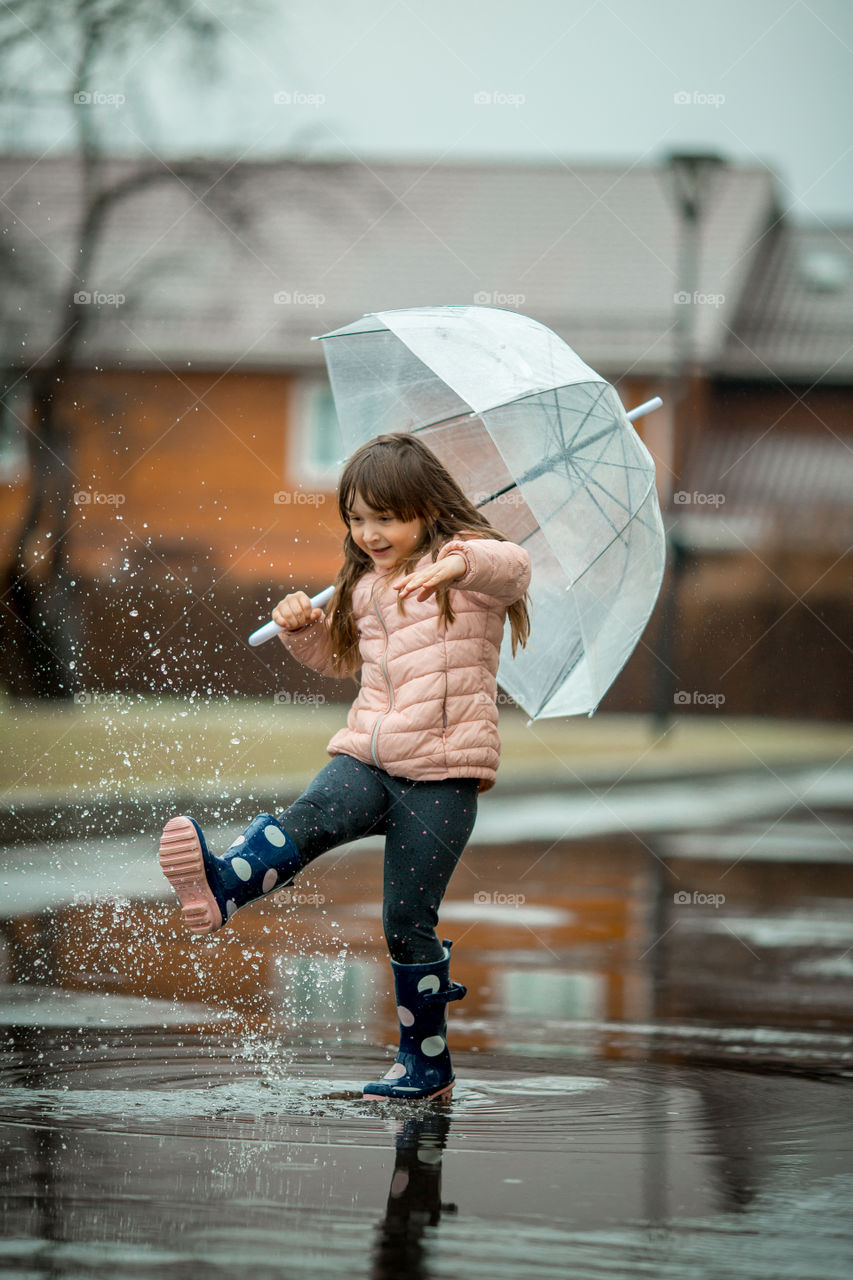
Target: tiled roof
[785,488]
[796,320]
[589,250]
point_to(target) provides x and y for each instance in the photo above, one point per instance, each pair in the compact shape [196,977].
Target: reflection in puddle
[646,1082]
[178,1151]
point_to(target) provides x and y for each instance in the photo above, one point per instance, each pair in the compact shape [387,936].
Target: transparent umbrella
[543,447]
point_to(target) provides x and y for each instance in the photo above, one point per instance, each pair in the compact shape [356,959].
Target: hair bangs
[383,484]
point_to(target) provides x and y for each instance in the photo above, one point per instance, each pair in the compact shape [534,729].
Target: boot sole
[182,864]
[384,1097]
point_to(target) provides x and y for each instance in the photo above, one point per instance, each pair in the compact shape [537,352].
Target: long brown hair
[399,474]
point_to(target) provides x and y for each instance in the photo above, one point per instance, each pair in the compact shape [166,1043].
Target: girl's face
[386,538]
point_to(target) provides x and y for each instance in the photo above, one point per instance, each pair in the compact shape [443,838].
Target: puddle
[180,1154]
[654,1071]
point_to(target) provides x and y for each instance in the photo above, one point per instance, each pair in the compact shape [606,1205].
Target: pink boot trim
[421,1097]
[183,866]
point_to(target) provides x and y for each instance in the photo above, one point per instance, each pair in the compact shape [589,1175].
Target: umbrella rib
[359,333]
[590,482]
[548,464]
[560,424]
[625,506]
[569,452]
[618,532]
[606,548]
[617,465]
[564,674]
[567,668]
[590,411]
[506,404]
[608,432]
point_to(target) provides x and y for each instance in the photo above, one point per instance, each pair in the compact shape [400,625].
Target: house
[203,441]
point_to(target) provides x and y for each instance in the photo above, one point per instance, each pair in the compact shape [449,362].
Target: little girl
[419,608]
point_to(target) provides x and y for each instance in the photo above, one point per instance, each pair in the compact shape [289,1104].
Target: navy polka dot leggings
[426,826]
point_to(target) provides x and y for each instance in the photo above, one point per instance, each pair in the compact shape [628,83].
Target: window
[315,447]
[14,419]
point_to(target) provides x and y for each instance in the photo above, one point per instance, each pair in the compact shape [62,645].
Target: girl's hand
[295,611]
[425,581]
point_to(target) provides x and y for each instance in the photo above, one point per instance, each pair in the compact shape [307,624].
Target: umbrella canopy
[542,445]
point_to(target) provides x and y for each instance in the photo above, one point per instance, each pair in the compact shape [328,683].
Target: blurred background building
[202,436]
[168,446]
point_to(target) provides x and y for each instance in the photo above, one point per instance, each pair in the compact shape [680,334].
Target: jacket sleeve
[312,646]
[499,569]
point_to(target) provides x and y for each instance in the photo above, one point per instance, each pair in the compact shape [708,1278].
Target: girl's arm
[307,636]
[499,569]
[312,647]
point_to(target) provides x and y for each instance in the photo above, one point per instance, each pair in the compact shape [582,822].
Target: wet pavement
[654,1059]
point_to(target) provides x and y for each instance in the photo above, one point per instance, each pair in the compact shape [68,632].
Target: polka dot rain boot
[211,889]
[423,1068]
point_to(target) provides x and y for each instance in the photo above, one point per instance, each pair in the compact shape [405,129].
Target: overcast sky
[762,81]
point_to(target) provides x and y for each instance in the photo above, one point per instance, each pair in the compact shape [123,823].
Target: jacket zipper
[384,667]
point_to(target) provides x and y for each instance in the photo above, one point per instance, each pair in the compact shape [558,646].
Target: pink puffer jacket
[426,708]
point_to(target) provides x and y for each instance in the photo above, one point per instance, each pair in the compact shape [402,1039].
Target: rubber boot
[423,1068]
[211,889]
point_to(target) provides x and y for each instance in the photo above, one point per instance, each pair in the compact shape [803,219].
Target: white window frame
[308,399]
[14,413]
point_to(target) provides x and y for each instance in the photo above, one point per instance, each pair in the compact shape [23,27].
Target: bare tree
[54,57]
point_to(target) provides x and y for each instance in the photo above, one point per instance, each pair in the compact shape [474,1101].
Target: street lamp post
[692,176]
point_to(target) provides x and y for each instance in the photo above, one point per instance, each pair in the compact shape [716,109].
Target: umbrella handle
[648,406]
[273,629]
